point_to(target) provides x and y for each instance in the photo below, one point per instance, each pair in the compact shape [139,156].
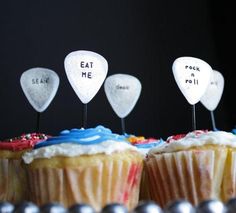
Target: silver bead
[114,208]
[81,208]
[53,207]
[26,207]
[179,206]
[211,206]
[147,207]
[6,207]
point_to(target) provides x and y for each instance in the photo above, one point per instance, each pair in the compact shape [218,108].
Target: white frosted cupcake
[92,166]
[198,166]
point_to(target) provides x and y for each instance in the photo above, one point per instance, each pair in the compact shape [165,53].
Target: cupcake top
[144,144]
[25,141]
[195,139]
[76,142]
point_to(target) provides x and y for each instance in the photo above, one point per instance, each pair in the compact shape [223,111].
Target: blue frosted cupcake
[93,166]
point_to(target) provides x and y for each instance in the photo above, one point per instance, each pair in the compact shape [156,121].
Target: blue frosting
[234,131]
[82,137]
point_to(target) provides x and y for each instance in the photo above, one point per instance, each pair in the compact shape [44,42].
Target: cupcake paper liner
[194,175]
[144,194]
[107,181]
[13,183]
[229,179]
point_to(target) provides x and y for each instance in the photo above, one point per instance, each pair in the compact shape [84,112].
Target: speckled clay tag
[86,72]
[122,92]
[39,86]
[212,96]
[192,76]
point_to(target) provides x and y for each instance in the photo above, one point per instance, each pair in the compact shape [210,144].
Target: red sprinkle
[179,136]
[199,132]
[25,141]
[145,141]
[175,137]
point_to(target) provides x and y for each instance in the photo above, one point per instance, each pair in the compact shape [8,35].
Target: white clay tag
[122,92]
[86,72]
[214,91]
[39,86]
[192,76]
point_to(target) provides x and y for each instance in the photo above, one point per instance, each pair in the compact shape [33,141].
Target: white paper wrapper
[106,182]
[195,175]
[13,183]
[229,180]
[144,187]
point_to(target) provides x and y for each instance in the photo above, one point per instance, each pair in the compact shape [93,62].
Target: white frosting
[194,140]
[72,150]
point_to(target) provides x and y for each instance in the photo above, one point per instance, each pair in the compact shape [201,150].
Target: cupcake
[13,183]
[93,166]
[198,166]
[144,145]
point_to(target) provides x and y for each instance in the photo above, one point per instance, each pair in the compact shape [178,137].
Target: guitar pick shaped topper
[214,91]
[39,86]
[86,72]
[192,76]
[122,92]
